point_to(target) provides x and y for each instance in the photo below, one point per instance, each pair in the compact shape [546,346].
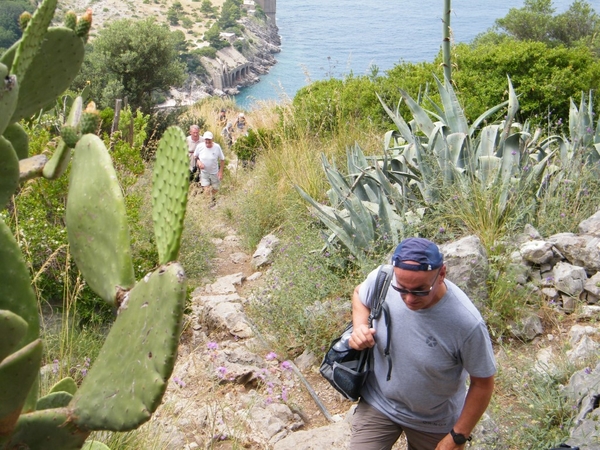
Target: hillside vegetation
[318,153]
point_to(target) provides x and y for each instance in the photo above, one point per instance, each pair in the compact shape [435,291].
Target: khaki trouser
[372,430]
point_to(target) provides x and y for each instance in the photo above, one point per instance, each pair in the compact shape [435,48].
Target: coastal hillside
[228,44]
[106,11]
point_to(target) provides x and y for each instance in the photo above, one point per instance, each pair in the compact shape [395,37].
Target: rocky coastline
[264,43]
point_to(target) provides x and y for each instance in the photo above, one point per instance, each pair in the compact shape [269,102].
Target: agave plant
[433,155]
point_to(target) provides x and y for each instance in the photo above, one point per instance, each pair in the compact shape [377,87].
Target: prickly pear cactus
[126,384]
[97,222]
[169,193]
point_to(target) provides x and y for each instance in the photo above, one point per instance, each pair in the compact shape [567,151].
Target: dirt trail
[199,402]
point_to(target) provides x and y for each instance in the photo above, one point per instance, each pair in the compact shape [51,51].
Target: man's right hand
[362,337]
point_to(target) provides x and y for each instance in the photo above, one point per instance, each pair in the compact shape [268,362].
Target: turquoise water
[324,38]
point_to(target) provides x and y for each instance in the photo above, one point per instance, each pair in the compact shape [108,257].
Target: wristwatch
[459,439]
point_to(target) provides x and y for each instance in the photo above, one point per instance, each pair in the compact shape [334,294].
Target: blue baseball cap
[419,250]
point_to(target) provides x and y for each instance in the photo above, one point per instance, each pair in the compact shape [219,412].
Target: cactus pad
[9,172]
[67,384]
[12,330]
[9,96]
[18,138]
[128,379]
[46,78]
[169,193]
[53,400]
[45,430]
[16,294]
[17,375]
[32,38]
[96,221]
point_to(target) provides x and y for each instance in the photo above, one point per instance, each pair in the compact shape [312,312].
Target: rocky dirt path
[229,390]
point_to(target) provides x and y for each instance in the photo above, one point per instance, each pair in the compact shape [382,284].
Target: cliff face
[233,69]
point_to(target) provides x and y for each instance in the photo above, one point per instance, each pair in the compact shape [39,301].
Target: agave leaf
[489,166]
[457,145]
[454,114]
[355,158]
[403,127]
[513,107]
[331,221]
[421,118]
[391,140]
[488,141]
[475,125]
[511,158]
[426,183]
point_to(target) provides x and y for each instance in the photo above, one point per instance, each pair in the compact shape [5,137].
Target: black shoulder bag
[346,369]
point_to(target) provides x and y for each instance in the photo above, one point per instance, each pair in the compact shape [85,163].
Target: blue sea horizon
[323,39]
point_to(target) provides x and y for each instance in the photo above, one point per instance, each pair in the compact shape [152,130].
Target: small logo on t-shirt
[431,341]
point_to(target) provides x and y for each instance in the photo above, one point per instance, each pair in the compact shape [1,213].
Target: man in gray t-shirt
[438,338]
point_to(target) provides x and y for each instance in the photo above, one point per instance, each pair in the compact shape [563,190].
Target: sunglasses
[403,291]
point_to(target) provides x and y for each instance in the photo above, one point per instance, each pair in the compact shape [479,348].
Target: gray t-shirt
[432,352]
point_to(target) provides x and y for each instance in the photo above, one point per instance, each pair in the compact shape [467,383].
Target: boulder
[467,264]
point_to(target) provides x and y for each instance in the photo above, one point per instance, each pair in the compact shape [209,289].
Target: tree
[579,22]
[138,59]
[542,75]
[213,37]
[230,13]
[10,11]
[529,23]
[536,22]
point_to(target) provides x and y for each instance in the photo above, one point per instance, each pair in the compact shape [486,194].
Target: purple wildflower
[271,356]
[179,382]
[212,345]
[286,365]
[221,371]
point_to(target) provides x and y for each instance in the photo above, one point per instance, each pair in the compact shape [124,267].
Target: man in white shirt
[211,162]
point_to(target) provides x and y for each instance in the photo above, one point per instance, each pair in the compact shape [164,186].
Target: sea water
[325,38]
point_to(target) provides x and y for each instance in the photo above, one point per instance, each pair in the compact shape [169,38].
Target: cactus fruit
[169,193]
[70,135]
[70,20]
[84,25]
[24,19]
[96,221]
[90,119]
[18,138]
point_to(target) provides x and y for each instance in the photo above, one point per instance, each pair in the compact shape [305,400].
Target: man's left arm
[221,167]
[476,402]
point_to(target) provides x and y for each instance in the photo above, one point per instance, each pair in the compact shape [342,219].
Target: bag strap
[382,284]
